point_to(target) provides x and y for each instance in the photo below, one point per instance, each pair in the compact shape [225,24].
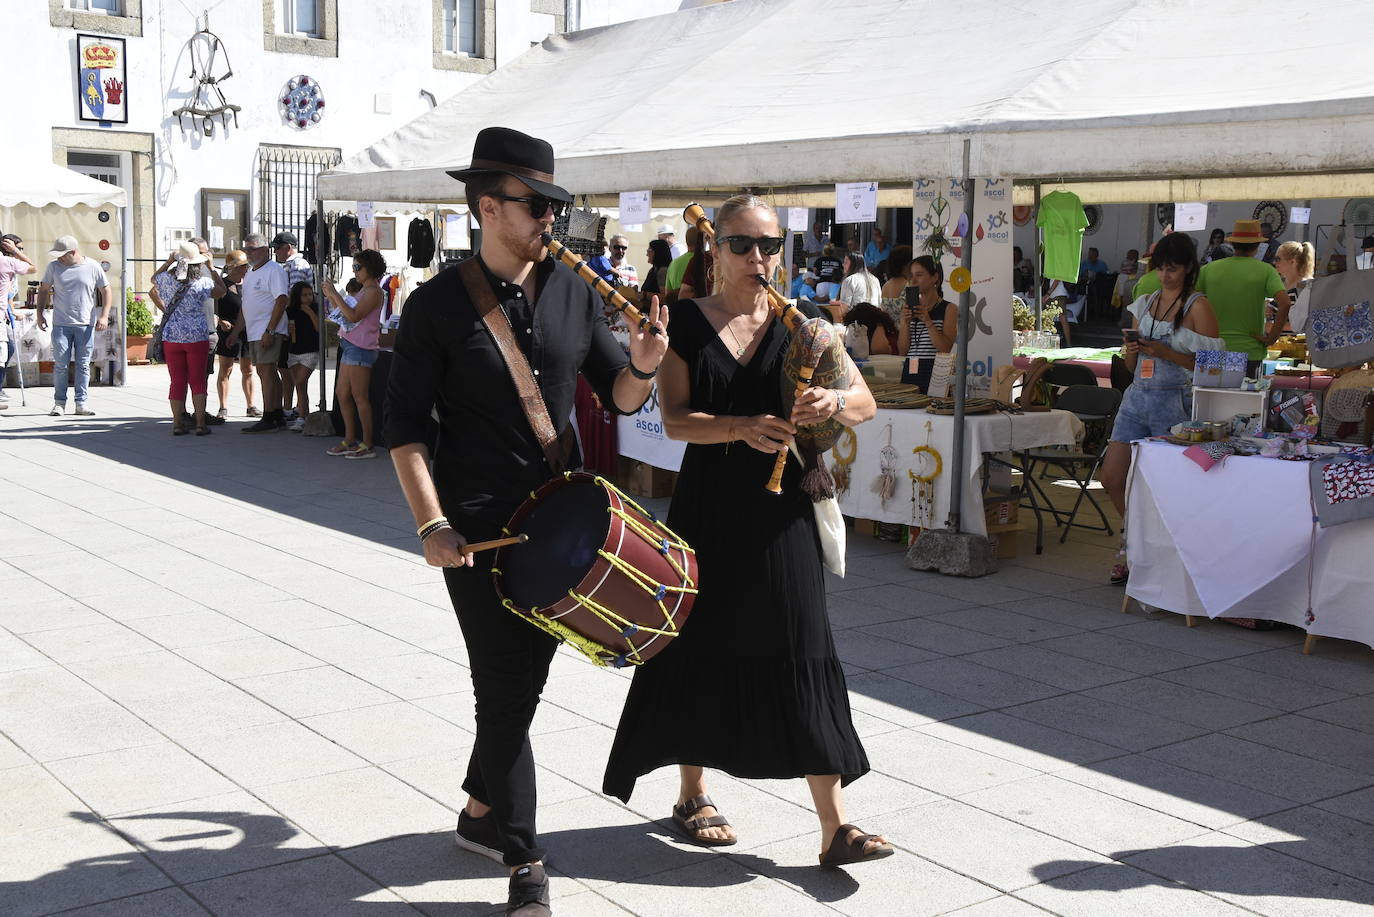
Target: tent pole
[321,264]
[956,491]
[1039,248]
[1306,227]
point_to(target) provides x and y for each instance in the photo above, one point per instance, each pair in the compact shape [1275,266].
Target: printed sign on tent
[634,206]
[856,202]
[796,219]
[1190,217]
[456,231]
[367,215]
[1300,215]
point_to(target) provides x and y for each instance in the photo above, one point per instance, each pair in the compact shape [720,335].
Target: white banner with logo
[989,343]
[641,437]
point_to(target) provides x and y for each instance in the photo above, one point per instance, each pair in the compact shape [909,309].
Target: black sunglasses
[620,248]
[741,245]
[539,204]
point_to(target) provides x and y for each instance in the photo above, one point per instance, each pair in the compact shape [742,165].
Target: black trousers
[509,660]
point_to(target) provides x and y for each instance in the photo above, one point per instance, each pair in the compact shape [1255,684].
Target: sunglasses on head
[538,204]
[742,245]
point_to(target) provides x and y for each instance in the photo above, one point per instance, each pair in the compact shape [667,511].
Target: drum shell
[609,587]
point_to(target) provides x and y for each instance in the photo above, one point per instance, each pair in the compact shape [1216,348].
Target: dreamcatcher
[923,485]
[840,470]
[886,485]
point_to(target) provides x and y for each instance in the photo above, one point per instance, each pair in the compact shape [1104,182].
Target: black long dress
[752,686]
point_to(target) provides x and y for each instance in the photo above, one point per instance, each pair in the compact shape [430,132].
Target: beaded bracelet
[432,526]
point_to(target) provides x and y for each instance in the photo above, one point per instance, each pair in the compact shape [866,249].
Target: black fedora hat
[509,152]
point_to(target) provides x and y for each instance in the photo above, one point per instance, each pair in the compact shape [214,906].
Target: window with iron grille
[285,187]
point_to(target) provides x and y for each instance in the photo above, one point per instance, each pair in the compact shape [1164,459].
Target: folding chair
[1095,406]
[1062,375]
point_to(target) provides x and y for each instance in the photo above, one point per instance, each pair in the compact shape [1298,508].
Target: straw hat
[1246,232]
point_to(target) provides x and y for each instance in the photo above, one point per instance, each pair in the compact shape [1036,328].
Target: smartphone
[1131,334]
[913,297]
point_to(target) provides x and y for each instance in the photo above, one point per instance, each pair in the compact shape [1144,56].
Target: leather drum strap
[531,400]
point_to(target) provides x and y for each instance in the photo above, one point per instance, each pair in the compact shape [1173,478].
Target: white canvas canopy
[802,93]
[39,184]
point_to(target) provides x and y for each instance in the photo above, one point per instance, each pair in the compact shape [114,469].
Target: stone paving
[229,685]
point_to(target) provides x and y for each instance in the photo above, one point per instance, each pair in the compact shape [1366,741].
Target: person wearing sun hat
[187,291]
[488,458]
[80,297]
[1237,289]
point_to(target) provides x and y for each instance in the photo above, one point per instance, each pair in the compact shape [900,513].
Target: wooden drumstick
[791,316]
[598,283]
[496,543]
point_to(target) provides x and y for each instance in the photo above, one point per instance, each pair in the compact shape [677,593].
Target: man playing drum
[489,458]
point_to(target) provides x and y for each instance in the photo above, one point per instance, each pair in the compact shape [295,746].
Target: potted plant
[138,329]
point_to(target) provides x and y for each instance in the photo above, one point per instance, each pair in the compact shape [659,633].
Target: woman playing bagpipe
[752,686]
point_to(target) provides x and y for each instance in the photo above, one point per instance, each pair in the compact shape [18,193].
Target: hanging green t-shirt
[1063,221]
[1237,288]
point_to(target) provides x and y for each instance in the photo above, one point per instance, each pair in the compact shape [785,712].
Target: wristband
[435,521]
[434,528]
[634,371]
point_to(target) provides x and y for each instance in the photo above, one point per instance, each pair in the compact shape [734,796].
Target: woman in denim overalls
[1172,326]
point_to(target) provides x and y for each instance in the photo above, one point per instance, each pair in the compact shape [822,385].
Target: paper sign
[632,227]
[456,231]
[1300,215]
[856,202]
[367,215]
[1190,217]
[226,208]
[217,237]
[634,207]
[796,218]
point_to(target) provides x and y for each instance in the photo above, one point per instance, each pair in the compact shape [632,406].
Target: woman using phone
[925,319]
[1167,328]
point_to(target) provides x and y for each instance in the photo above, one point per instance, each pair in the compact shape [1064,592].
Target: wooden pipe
[598,283]
[774,485]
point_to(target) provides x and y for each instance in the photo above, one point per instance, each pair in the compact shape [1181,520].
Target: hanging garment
[312,228]
[1061,217]
[347,235]
[420,243]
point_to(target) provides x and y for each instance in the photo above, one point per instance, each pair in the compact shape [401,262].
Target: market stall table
[1239,541]
[1096,359]
[983,434]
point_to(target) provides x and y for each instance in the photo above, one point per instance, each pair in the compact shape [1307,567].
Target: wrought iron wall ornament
[208,101]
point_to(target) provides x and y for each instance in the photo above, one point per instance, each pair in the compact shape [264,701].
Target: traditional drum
[598,571]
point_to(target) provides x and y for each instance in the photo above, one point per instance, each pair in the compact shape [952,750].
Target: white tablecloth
[984,433]
[1236,541]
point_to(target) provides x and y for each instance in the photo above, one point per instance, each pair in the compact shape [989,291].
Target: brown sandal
[842,852]
[692,825]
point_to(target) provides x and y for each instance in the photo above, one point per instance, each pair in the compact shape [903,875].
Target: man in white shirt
[667,234]
[816,241]
[80,307]
[263,321]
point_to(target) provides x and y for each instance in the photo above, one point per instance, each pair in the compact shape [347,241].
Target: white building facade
[198,132]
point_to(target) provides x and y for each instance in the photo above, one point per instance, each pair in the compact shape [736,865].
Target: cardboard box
[1006,537]
[647,481]
[865,527]
[1000,511]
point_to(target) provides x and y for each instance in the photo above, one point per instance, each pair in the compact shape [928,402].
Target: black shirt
[488,460]
[828,268]
[307,336]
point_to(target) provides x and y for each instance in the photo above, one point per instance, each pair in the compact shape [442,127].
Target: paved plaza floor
[229,684]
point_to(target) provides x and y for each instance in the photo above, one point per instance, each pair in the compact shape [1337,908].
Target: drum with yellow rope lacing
[598,571]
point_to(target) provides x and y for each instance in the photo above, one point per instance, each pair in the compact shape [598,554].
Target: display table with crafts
[905,431]
[1240,540]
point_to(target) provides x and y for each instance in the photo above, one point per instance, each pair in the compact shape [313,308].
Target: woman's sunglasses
[539,205]
[741,245]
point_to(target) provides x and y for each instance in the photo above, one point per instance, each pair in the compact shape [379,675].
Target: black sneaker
[266,425]
[529,893]
[479,835]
